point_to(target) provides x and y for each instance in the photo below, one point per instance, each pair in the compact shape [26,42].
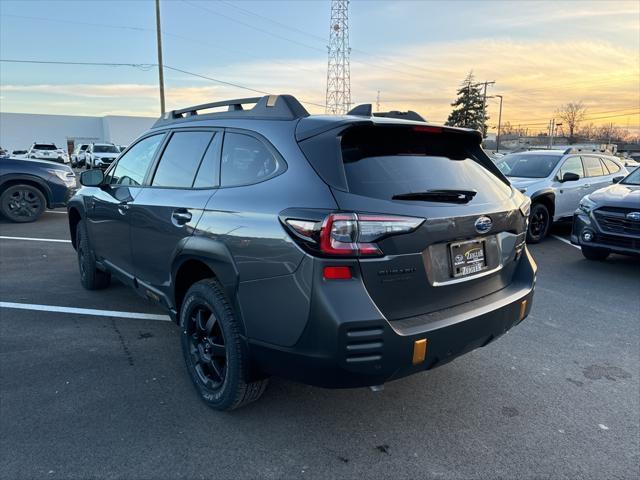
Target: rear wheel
[215,354]
[593,253]
[91,277]
[539,222]
[22,203]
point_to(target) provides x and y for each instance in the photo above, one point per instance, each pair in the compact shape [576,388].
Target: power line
[148,66]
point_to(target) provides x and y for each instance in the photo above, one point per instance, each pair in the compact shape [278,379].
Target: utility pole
[160,68]
[499,125]
[484,106]
[552,128]
[338,96]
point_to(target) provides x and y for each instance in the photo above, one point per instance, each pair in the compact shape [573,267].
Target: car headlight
[525,207]
[98,161]
[586,204]
[68,177]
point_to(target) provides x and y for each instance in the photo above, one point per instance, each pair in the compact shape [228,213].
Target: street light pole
[160,69]
[499,125]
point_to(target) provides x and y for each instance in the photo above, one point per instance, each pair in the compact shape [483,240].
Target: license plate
[467,258]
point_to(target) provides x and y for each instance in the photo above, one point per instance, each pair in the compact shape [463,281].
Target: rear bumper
[340,353]
[617,243]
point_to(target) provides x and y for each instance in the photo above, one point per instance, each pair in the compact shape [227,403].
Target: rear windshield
[387,162]
[527,165]
[105,149]
[42,146]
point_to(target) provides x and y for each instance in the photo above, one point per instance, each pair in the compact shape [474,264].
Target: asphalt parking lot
[91,396]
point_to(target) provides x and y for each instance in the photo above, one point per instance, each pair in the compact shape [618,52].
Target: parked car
[100,155]
[336,251]
[28,187]
[78,155]
[608,220]
[19,153]
[556,180]
[48,151]
[630,163]
[3,152]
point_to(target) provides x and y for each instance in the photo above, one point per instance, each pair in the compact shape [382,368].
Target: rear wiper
[444,196]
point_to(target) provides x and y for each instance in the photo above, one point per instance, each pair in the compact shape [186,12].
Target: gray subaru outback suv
[339,251]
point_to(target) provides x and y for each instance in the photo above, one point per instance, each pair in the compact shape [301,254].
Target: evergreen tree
[467,109]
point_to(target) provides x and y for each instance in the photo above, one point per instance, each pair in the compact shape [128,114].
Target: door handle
[586,186]
[181,217]
[123,208]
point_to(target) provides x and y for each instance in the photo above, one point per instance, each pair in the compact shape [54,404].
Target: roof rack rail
[268,107]
[366,110]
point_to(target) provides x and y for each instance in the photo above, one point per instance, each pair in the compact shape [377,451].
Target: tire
[91,277]
[539,223]
[593,253]
[215,354]
[22,203]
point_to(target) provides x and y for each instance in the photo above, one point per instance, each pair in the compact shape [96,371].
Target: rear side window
[208,173]
[383,162]
[246,160]
[592,166]
[133,165]
[181,159]
[572,165]
[610,165]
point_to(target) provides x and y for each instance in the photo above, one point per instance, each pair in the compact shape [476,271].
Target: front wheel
[593,253]
[539,223]
[91,277]
[215,354]
[22,203]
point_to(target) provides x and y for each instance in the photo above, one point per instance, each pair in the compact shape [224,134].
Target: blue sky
[541,54]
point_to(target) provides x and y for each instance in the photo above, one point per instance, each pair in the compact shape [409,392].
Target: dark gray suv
[339,251]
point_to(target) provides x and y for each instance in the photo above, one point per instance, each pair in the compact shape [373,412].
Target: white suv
[100,155]
[556,180]
[48,151]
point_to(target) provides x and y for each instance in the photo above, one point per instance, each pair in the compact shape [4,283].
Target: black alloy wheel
[539,222]
[215,352]
[207,350]
[22,203]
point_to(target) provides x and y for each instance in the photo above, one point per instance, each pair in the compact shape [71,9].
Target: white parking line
[565,241]
[85,311]
[30,239]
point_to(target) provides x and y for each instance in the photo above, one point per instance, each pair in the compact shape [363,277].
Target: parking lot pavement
[90,396]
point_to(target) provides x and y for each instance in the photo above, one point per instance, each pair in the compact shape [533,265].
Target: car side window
[592,166]
[133,165]
[610,165]
[572,165]
[246,160]
[181,158]
[209,171]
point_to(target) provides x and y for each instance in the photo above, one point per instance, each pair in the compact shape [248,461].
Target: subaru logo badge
[483,224]
[634,216]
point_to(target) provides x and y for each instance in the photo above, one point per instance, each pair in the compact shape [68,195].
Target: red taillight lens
[354,235]
[336,273]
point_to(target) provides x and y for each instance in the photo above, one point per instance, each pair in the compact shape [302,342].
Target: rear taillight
[350,234]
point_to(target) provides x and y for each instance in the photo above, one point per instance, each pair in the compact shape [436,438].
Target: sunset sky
[540,54]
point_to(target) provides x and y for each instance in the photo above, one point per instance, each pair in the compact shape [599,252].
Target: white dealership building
[18,131]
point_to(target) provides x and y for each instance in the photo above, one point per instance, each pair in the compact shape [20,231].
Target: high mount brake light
[351,234]
[427,129]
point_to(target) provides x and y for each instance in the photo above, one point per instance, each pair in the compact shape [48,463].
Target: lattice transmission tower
[338,97]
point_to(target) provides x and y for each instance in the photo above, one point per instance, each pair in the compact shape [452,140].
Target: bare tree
[572,114]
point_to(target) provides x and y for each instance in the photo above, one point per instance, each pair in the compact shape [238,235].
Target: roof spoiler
[274,107]
[366,110]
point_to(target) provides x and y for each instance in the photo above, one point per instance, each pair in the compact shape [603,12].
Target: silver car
[556,180]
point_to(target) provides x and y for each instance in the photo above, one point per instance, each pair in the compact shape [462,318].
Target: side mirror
[617,179]
[570,177]
[92,178]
